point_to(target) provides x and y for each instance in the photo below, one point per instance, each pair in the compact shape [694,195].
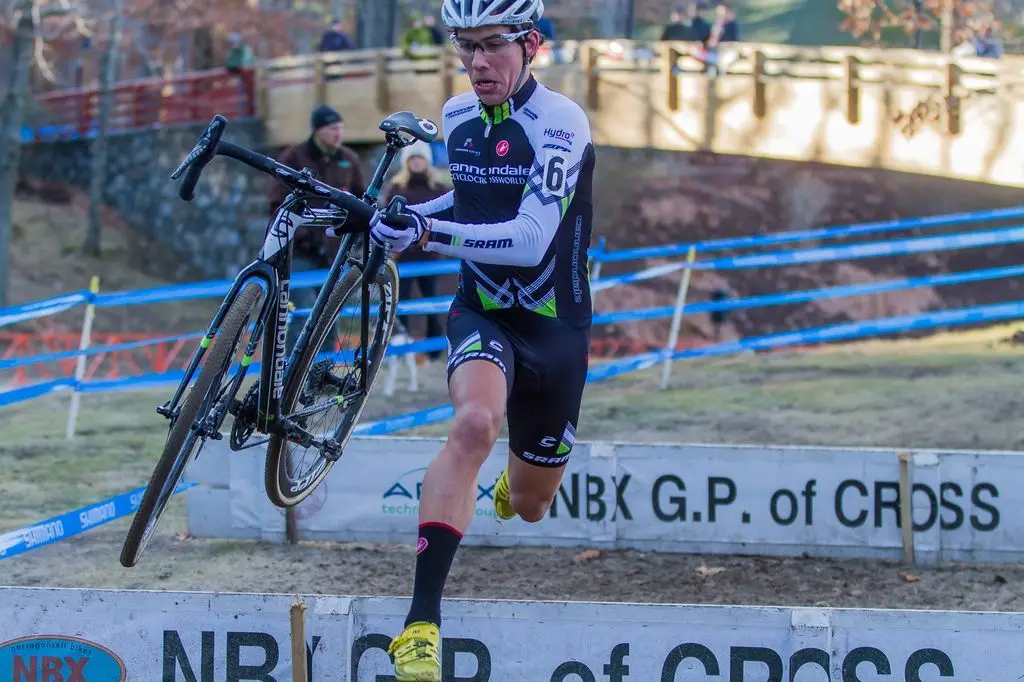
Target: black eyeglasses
[491,45]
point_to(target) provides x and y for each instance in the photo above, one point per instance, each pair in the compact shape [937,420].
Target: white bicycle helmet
[457,14]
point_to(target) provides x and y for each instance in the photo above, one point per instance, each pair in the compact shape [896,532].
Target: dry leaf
[910,578]
[587,555]
[707,572]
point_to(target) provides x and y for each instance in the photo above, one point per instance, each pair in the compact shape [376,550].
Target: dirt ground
[954,391]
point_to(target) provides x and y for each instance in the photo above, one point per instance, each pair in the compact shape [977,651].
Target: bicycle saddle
[407,122]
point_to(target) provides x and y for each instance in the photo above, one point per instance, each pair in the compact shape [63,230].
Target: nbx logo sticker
[594,494]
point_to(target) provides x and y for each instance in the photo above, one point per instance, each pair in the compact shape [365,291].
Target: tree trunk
[376,21]
[100,143]
[12,114]
[948,26]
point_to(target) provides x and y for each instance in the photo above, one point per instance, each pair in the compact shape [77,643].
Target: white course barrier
[770,500]
[108,636]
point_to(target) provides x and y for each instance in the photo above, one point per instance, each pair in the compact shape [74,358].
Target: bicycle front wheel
[323,394]
[183,441]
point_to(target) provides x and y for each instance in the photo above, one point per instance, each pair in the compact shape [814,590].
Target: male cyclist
[519,218]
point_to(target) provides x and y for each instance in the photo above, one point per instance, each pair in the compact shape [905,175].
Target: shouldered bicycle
[306,401]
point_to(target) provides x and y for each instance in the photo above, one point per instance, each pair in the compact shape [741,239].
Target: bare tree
[12,112]
[26,49]
[100,142]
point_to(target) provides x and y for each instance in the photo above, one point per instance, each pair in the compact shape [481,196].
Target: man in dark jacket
[339,166]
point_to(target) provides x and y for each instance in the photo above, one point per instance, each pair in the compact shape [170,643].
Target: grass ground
[48,260]
[951,391]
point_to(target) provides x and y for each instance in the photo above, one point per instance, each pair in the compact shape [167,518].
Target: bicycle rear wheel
[322,393]
[183,442]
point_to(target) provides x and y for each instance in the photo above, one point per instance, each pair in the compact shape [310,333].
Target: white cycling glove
[401,237]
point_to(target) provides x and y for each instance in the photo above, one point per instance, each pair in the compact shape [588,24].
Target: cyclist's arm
[525,239]
[438,207]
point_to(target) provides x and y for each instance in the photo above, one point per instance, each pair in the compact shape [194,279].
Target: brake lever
[394,208]
[201,146]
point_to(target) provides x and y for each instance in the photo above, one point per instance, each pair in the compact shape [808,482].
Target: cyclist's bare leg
[532,488]
[477,391]
[448,498]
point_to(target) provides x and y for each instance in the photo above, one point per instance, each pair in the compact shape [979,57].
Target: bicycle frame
[272,269]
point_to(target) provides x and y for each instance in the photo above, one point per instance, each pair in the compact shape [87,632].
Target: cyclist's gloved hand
[400,232]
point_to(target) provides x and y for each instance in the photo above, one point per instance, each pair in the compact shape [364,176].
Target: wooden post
[447,76]
[319,80]
[381,61]
[760,87]
[673,79]
[952,101]
[300,667]
[677,318]
[80,361]
[906,509]
[259,92]
[590,64]
[852,89]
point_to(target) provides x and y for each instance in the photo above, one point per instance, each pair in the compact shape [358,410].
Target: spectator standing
[419,182]
[435,34]
[415,39]
[335,39]
[330,161]
[240,54]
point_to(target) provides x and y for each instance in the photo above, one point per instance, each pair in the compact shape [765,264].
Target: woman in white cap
[418,182]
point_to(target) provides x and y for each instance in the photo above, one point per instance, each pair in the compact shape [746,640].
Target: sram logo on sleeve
[488,243]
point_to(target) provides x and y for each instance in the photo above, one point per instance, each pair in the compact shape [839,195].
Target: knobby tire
[181,439]
[277,476]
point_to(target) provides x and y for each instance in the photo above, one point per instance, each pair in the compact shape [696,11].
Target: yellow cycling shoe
[416,653]
[502,498]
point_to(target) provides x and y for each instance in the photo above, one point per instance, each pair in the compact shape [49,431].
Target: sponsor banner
[58,528]
[781,501]
[105,636]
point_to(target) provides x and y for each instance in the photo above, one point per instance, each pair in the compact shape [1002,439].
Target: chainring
[245,418]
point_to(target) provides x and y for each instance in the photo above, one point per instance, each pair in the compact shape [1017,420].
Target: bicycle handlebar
[210,145]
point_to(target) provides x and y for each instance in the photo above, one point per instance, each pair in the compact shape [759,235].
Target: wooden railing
[146,103]
[960,117]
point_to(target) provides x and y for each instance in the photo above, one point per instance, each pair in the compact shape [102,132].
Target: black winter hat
[324,115]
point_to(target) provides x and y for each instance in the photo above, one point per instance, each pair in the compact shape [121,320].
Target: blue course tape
[73,523]
[812,295]
[218,288]
[962,240]
[43,308]
[826,334]
[19,395]
[812,234]
[314,278]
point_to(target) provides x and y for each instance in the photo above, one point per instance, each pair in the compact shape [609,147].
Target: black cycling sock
[435,551]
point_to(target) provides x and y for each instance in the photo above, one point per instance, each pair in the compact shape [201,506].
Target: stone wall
[218,232]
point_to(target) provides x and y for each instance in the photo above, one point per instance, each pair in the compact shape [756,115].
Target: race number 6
[554,176]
